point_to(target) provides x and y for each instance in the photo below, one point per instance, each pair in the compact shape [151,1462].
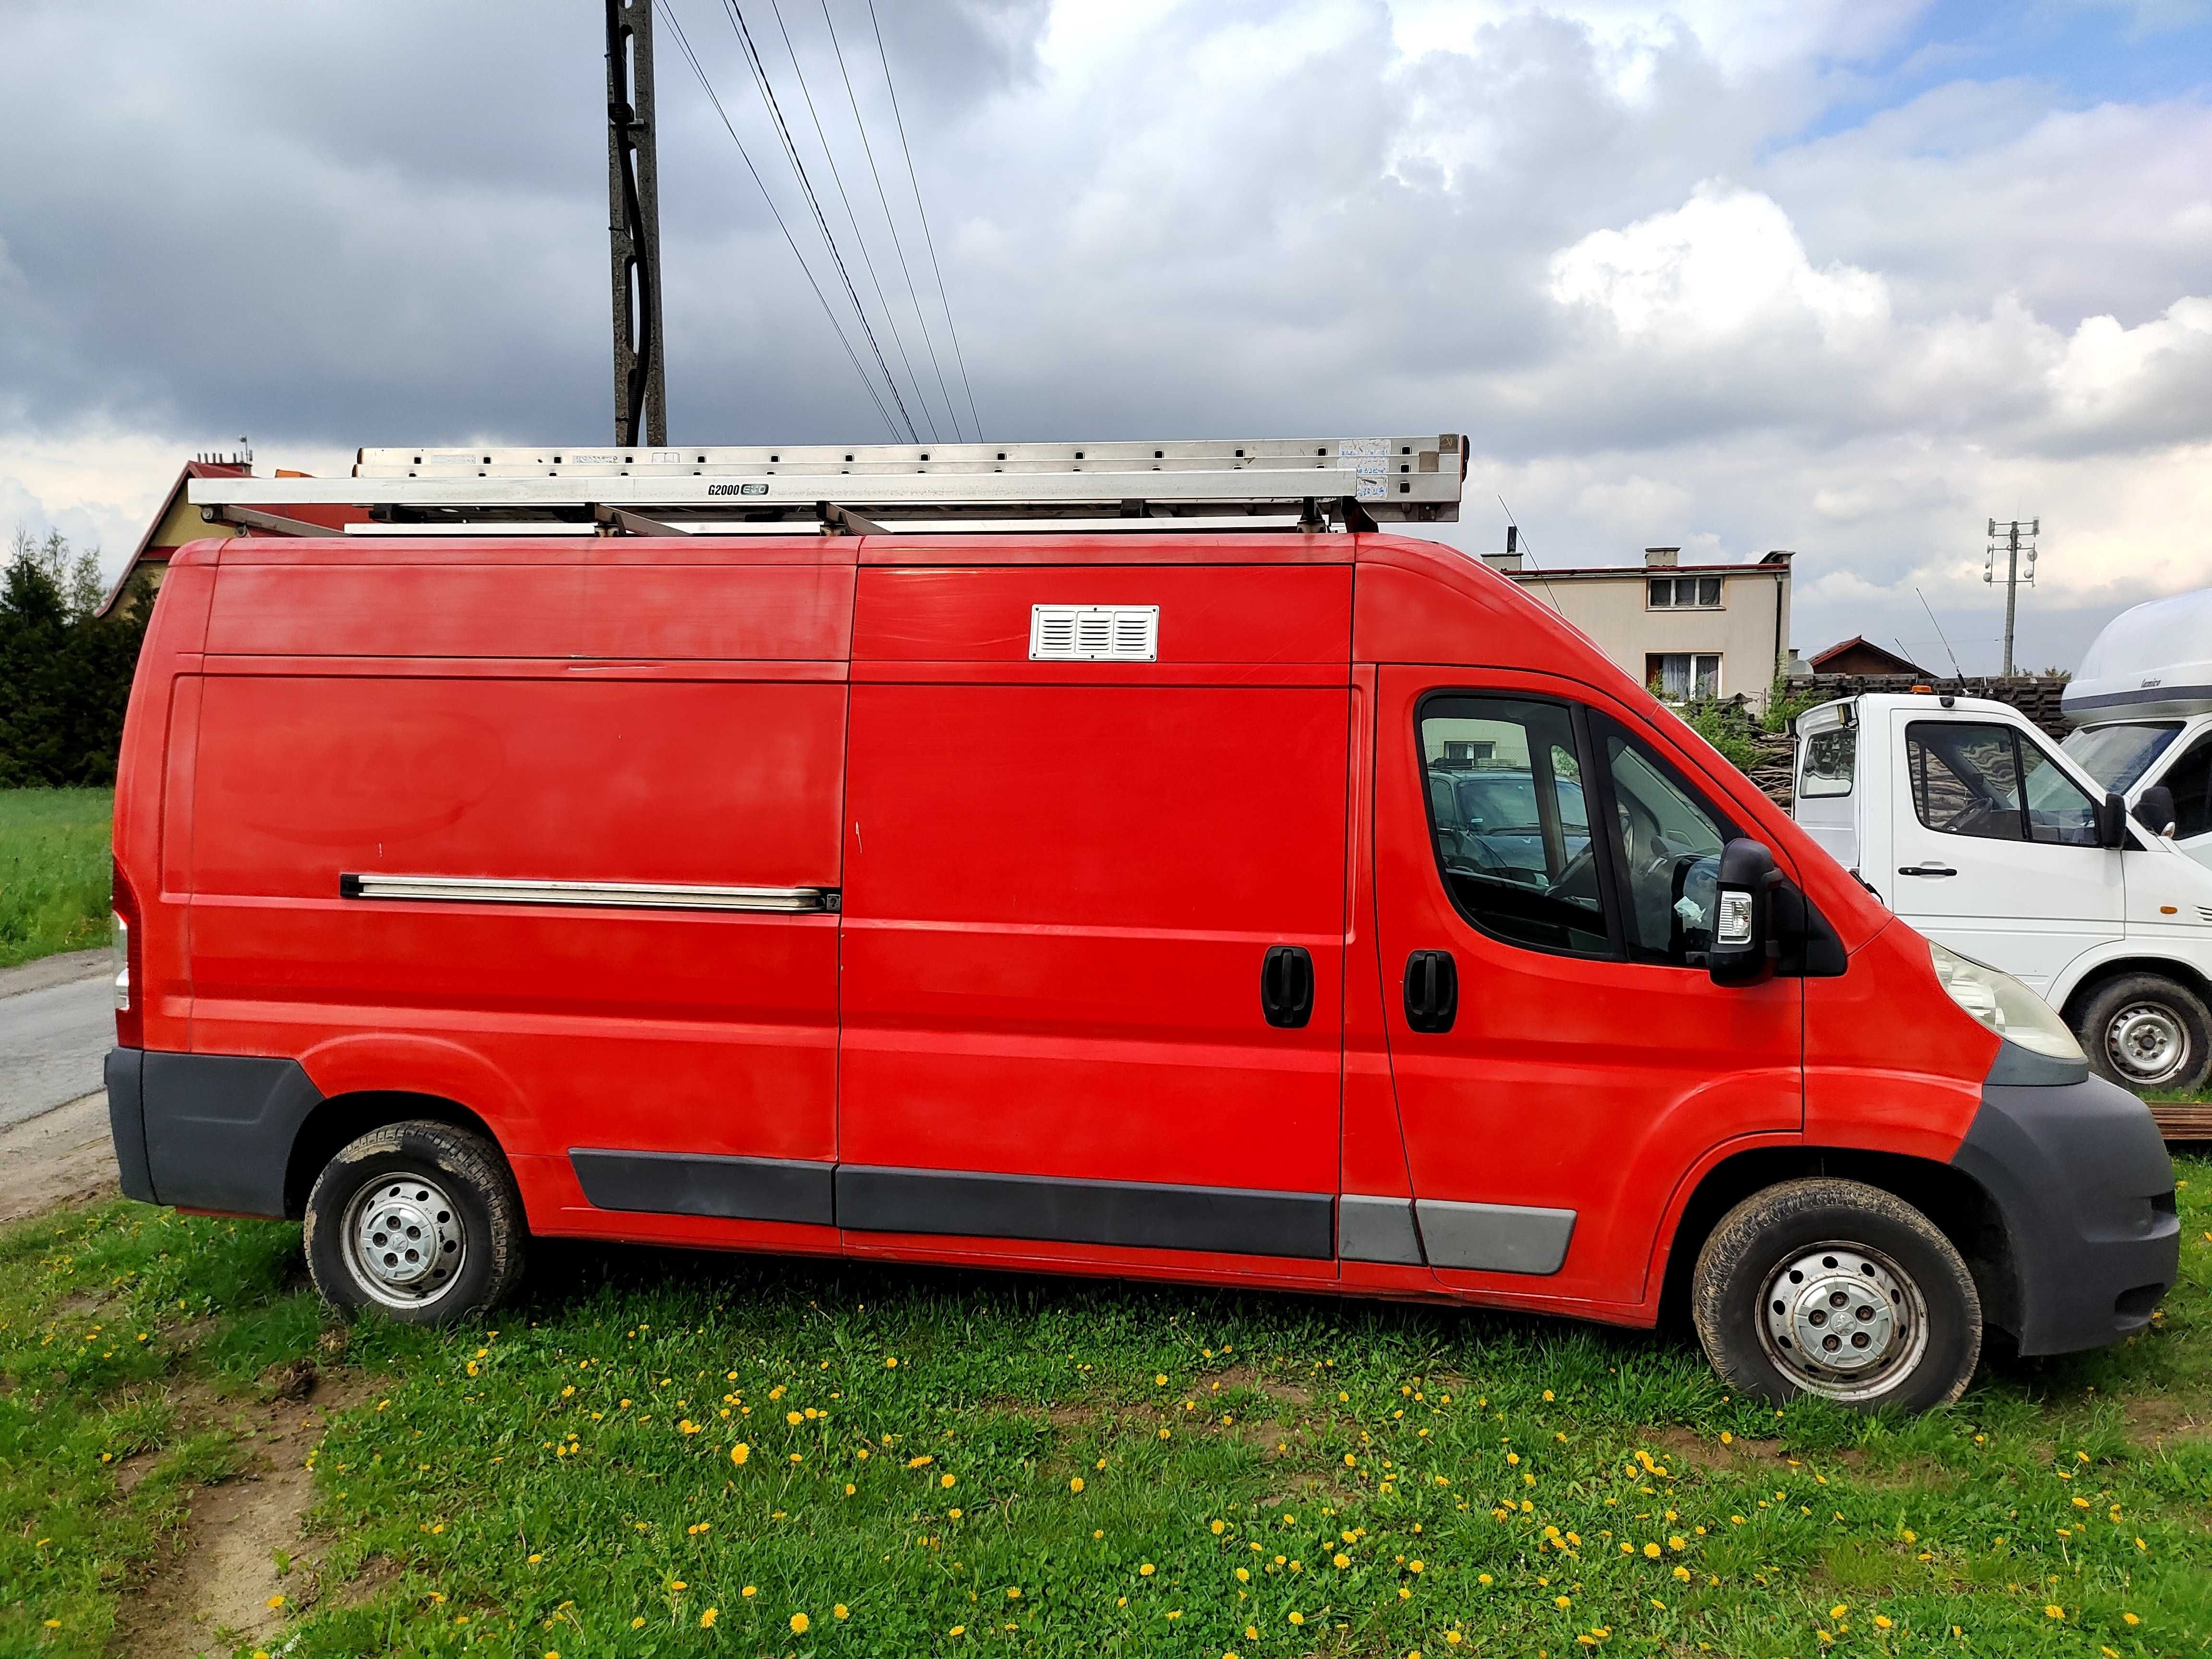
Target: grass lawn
[672,1454]
[54,871]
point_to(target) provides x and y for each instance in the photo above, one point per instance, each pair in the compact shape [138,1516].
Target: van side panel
[540,715]
[649,1030]
[1063,879]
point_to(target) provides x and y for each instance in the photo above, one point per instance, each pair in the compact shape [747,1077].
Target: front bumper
[206,1132]
[2086,1189]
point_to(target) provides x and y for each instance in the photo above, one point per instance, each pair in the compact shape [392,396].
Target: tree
[64,673]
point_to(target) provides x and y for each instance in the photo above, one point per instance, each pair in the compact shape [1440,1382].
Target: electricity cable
[821,220]
[928,240]
[707,86]
[838,178]
[913,295]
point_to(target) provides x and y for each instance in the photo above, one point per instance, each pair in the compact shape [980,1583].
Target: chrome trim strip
[629,895]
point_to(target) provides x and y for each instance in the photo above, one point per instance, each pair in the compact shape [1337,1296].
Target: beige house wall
[1611,608]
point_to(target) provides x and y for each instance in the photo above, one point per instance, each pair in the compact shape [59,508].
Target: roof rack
[859,489]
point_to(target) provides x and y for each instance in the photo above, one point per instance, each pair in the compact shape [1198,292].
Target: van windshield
[2118,755]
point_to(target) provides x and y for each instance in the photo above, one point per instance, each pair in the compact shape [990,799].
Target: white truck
[2142,711]
[1976,829]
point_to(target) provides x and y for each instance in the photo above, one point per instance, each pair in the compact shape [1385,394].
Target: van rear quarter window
[1830,762]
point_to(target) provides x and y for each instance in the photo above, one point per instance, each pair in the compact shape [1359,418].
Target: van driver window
[1971,779]
[1668,841]
[1511,821]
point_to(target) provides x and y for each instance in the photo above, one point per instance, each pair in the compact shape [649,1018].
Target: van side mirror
[2112,820]
[2155,810]
[1741,952]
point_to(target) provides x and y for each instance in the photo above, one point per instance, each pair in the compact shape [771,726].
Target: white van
[2142,703]
[1972,826]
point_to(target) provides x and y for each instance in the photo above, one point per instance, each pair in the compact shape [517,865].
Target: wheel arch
[1959,1206]
[343,1118]
[2095,978]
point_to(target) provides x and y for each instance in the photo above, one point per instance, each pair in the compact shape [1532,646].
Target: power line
[911,294]
[707,86]
[821,224]
[838,178]
[928,240]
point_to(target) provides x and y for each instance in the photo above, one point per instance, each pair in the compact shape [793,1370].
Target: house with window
[1685,630]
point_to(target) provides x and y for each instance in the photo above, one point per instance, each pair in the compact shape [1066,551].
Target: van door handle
[1925,870]
[1431,990]
[1286,985]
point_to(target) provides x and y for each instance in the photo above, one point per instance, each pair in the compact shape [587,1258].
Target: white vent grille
[2204,911]
[1094,632]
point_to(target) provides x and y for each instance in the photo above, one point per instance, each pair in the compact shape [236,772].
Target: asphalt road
[57,1024]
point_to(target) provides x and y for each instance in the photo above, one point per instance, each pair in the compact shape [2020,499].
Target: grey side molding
[1370,1229]
[1502,1239]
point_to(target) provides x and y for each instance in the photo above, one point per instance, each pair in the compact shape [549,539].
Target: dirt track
[60,1157]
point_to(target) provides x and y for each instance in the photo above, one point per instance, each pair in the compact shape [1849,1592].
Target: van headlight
[2004,1005]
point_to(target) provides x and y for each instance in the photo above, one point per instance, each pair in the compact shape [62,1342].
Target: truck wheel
[420,1219]
[2145,1031]
[1838,1288]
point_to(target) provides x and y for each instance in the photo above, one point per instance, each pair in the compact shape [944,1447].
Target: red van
[1295,908]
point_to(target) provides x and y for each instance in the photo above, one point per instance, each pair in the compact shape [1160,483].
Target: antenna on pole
[634,226]
[2013,537]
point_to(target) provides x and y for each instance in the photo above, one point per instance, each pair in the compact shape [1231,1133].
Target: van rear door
[1094,922]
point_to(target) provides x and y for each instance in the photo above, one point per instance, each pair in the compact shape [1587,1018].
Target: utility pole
[634,226]
[2014,535]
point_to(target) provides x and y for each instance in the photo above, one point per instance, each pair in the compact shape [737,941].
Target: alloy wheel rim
[2147,1043]
[404,1240]
[1842,1320]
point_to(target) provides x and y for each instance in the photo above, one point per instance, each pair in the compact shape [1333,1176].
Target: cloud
[1689,272]
[1724,265]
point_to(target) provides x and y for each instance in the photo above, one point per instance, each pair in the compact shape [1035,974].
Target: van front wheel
[1838,1288]
[420,1219]
[2146,1031]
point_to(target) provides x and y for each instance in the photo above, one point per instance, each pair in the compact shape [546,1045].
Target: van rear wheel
[420,1219]
[1838,1289]
[2147,1031]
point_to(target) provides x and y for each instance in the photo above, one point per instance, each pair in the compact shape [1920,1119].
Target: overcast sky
[1850,276]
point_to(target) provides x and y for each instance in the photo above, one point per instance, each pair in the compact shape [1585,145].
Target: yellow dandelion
[1562,1603]
[1652,1550]
[1220,1527]
[276,1601]
[739,1452]
[1075,1484]
[749,1592]
[798,1623]
[2054,1610]
[1881,1622]
[840,1611]
[1144,1570]
[2129,1619]
[1297,1618]
[706,1618]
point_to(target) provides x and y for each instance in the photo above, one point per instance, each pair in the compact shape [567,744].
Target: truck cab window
[1511,821]
[2190,778]
[2117,756]
[1969,778]
[1831,757]
[1668,844]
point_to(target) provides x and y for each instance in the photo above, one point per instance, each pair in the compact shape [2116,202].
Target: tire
[2145,1031]
[1873,1266]
[419,1219]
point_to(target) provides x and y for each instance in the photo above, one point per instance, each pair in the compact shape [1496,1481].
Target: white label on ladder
[1094,632]
[1370,458]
